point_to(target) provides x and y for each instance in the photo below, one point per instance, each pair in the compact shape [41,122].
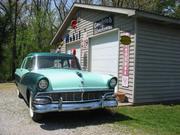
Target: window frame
[25,63]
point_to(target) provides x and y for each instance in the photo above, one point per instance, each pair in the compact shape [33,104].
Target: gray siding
[125,24]
[157,62]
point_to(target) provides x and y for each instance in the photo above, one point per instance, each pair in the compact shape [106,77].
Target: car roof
[49,54]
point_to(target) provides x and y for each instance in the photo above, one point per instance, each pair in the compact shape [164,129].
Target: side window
[65,64]
[29,64]
[24,61]
[57,63]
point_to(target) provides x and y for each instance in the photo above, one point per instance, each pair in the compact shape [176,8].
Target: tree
[62,8]
[177,12]
[14,39]
[25,26]
[163,7]
[10,12]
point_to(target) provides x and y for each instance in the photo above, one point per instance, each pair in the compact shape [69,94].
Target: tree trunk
[14,41]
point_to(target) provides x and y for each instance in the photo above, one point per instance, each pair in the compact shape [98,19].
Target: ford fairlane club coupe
[51,82]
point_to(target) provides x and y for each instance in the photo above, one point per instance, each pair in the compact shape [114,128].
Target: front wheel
[33,115]
[19,94]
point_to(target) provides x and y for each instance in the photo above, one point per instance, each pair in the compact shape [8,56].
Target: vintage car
[51,82]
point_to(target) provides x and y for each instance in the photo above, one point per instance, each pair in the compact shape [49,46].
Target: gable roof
[125,11]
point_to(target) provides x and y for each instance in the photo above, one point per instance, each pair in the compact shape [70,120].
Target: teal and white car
[55,82]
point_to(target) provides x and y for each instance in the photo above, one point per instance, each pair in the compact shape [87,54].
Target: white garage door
[77,47]
[104,53]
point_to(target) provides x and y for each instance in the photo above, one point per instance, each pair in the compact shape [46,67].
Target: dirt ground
[15,120]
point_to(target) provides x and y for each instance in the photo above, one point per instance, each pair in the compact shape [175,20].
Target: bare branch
[59,9]
[3,7]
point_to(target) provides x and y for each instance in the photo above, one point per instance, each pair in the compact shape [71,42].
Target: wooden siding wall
[157,63]
[125,24]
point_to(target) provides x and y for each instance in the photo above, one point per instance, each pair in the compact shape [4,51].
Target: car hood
[68,80]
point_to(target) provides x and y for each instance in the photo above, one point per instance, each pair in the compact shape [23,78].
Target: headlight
[43,84]
[113,82]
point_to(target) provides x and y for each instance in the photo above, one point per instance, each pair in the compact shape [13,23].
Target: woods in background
[29,25]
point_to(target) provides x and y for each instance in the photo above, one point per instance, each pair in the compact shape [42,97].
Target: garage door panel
[104,53]
[108,68]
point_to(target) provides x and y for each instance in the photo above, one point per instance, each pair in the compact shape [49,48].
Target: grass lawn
[152,119]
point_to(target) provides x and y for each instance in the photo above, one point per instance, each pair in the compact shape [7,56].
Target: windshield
[57,62]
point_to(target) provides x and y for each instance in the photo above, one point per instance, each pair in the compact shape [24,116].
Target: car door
[26,67]
[18,76]
[19,73]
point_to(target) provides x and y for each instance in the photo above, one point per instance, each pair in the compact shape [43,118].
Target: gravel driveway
[15,120]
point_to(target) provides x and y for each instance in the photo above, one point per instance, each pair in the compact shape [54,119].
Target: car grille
[76,96]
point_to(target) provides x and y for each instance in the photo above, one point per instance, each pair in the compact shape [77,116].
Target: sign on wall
[103,24]
[125,67]
[73,37]
[125,39]
[84,48]
[84,40]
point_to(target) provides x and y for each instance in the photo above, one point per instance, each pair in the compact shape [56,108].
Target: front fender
[30,80]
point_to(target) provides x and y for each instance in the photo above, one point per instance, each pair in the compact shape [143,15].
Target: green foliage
[5,44]
[177,15]
[155,6]
[34,31]
[5,75]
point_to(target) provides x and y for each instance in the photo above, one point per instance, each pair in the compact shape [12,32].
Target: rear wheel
[35,116]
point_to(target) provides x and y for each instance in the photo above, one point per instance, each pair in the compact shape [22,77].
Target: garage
[76,46]
[146,64]
[104,50]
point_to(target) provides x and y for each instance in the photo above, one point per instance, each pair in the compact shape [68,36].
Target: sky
[69,3]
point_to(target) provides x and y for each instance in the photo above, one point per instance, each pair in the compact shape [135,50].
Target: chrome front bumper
[71,106]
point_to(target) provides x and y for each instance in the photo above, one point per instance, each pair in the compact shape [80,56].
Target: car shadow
[70,120]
